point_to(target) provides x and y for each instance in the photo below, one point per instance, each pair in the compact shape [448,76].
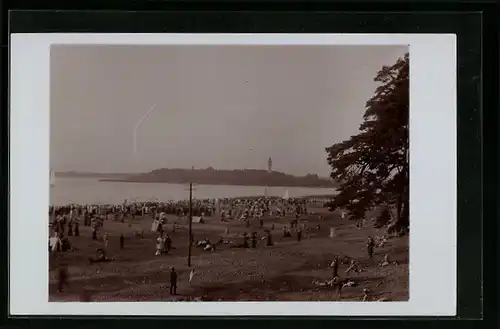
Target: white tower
[269,170]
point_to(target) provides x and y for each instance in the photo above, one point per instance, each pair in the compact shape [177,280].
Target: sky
[228,107]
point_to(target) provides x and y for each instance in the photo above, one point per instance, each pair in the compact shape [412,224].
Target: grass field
[283,272]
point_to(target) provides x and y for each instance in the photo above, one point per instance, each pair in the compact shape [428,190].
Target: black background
[477,40]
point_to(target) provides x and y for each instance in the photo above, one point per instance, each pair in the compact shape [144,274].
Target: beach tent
[286,196]
[217,206]
[154,226]
[54,242]
[198,219]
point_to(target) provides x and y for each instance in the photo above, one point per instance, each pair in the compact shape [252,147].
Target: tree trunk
[406,208]
[399,205]
[403,208]
[405,216]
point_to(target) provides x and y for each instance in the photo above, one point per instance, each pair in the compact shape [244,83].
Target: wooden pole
[190,222]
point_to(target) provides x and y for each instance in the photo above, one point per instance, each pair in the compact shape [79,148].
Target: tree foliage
[248,177]
[373,166]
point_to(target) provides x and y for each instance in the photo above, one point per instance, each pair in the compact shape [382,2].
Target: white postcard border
[432,177]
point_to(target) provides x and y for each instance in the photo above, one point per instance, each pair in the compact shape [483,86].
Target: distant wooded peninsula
[210,176]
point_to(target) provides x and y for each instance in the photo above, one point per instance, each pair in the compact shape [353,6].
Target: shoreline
[248,197]
[110,180]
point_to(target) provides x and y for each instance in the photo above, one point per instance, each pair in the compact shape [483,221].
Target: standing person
[61,226]
[55,242]
[254,240]
[164,238]
[85,296]
[105,239]
[245,240]
[335,267]
[94,233]
[62,278]
[370,244]
[122,241]
[299,234]
[77,229]
[60,244]
[269,239]
[160,245]
[296,221]
[191,275]
[168,243]
[340,286]
[173,281]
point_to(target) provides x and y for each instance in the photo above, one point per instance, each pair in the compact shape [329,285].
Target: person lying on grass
[100,257]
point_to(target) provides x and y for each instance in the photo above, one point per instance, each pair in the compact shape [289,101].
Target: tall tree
[373,166]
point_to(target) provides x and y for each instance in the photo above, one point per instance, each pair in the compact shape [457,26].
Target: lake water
[92,191]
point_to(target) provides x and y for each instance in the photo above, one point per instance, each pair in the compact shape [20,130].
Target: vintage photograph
[229,173]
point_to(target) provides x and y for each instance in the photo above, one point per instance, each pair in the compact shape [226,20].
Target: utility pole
[190,222]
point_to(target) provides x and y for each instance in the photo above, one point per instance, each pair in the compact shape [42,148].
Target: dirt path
[282,272]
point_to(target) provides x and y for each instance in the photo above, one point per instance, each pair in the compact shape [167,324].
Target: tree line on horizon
[211,176]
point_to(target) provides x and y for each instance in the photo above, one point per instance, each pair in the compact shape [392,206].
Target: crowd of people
[229,208]
[179,208]
[65,222]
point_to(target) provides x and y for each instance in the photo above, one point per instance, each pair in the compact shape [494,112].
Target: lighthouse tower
[269,170]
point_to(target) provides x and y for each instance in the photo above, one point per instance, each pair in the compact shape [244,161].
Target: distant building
[270,165]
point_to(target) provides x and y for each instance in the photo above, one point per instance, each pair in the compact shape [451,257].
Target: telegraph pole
[190,222]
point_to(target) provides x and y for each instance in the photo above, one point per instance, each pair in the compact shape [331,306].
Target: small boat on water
[52,178]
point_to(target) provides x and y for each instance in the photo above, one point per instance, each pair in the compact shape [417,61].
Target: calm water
[93,191]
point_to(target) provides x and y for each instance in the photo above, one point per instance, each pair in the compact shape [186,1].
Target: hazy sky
[221,106]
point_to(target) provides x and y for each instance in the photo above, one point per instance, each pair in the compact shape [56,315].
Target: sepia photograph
[229,173]
[233,174]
